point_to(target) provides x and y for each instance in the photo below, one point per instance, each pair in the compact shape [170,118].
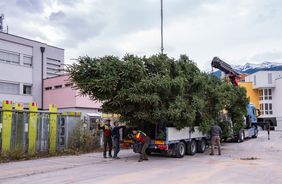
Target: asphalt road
[233,166]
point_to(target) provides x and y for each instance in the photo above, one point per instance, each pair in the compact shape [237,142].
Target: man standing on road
[116,139]
[107,137]
[215,138]
[144,140]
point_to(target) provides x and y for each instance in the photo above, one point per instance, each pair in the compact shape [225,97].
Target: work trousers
[215,140]
[117,147]
[143,154]
[108,143]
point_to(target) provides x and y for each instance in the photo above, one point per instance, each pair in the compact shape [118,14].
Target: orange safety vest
[140,136]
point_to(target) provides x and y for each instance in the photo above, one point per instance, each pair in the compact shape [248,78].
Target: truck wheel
[191,148]
[148,152]
[201,146]
[241,136]
[256,132]
[180,150]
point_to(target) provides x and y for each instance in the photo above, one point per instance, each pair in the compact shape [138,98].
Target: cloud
[30,5]
[75,28]
[267,56]
[237,31]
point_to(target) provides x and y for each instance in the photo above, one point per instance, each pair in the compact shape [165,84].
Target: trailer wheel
[201,146]
[191,147]
[180,150]
[241,136]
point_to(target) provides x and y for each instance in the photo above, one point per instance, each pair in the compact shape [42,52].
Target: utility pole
[1,22]
[162,31]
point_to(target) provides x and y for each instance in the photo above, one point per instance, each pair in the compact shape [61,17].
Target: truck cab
[251,115]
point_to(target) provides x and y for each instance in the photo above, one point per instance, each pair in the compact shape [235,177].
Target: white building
[269,86]
[24,63]
[277,106]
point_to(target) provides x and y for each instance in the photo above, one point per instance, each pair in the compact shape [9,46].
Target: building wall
[260,79]
[65,96]
[265,84]
[86,102]
[277,103]
[22,74]
[251,93]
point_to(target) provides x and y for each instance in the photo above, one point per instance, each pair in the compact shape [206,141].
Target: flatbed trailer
[177,143]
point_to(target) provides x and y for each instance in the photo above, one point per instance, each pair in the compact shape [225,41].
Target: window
[48,88]
[27,89]
[266,108]
[58,86]
[9,57]
[9,88]
[270,108]
[269,94]
[53,67]
[261,109]
[270,78]
[68,84]
[260,94]
[255,80]
[265,94]
[27,60]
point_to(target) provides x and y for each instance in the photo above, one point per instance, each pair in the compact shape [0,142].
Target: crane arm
[227,69]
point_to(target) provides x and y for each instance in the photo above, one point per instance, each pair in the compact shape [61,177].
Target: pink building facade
[59,91]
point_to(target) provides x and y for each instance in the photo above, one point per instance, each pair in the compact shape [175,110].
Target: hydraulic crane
[227,69]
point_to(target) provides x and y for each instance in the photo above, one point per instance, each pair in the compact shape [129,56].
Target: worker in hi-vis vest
[107,137]
[144,140]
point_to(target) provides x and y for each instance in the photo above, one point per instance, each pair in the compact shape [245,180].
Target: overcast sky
[237,31]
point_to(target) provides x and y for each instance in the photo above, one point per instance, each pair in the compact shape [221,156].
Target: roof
[30,40]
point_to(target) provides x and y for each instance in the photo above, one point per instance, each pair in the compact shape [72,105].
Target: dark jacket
[115,132]
[216,130]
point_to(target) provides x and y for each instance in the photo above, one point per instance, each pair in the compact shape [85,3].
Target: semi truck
[190,140]
[251,121]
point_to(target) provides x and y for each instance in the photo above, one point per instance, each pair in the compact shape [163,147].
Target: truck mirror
[258,112]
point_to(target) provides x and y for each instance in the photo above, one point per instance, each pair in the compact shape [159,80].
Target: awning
[94,114]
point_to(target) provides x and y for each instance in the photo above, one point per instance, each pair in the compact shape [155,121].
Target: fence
[34,131]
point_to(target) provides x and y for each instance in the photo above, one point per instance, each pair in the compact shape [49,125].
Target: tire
[201,146]
[191,148]
[180,150]
[148,152]
[241,136]
[256,132]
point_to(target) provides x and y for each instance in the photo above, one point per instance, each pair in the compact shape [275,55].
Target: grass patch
[81,141]
[15,156]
